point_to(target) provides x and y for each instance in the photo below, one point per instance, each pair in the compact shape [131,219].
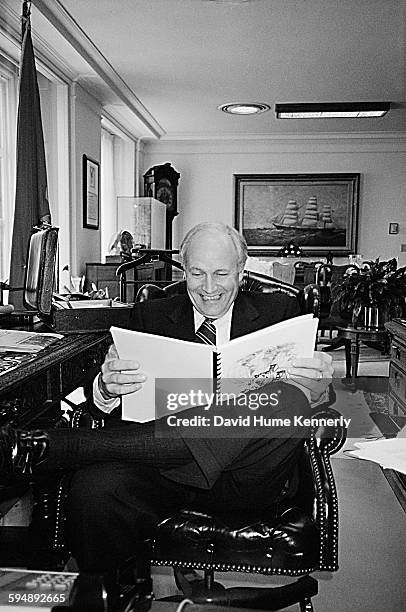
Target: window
[117,179]
[54,111]
[8,118]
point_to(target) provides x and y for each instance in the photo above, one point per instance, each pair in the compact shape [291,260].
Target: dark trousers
[112,507]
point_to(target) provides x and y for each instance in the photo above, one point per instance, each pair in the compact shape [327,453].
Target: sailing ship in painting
[309,224]
[312,218]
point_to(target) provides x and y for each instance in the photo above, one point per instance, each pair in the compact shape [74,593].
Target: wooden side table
[355,335]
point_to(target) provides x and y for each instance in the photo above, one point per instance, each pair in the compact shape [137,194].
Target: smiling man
[213,256]
[127,479]
[213,272]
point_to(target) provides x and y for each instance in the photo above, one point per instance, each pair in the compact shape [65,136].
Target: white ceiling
[182,58]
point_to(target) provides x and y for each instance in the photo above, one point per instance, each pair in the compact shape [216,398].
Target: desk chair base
[206,591]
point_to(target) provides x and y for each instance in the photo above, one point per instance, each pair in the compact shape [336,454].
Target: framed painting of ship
[319,212]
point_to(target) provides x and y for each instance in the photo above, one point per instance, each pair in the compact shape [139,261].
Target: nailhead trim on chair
[58,540]
[324,563]
[223,567]
[320,505]
[319,458]
[329,448]
[335,514]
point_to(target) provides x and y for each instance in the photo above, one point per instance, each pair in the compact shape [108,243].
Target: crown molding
[110,123]
[57,15]
[50,64]
[376,142]
[285,136]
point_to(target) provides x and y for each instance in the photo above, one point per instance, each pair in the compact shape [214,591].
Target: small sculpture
[126,242]
[121,243]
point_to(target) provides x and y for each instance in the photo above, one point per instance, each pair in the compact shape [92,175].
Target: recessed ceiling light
[329,110]
[251,108]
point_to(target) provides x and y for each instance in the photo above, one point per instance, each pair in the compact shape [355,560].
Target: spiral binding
[217,370]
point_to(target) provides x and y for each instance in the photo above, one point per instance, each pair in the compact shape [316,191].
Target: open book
[254,358]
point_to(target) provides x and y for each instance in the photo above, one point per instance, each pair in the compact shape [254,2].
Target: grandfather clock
[161,182]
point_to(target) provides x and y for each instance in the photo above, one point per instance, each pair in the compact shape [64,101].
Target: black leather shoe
[21,451]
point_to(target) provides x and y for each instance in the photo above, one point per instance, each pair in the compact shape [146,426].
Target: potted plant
[374,292]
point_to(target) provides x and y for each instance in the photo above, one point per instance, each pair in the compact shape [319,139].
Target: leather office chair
[39,276]
[308,298]
[297,537]
[300,535]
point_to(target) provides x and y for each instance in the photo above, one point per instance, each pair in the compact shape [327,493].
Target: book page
[267,353]
[389,454]
[25,342]
[160,358]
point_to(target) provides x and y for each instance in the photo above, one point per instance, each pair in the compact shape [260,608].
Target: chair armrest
[150,291]
[85,415]
[323,442]
[331,437]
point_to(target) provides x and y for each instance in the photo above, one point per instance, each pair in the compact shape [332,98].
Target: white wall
[85,115]
[206,187]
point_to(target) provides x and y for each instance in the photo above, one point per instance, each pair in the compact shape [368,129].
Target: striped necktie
[206,333]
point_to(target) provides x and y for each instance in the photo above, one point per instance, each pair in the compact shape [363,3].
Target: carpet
[368,408]
[377,401]
[376,396]
[366,353]
[351,404]
[371,362]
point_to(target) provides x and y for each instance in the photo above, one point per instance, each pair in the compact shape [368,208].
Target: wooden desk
[30,398]
[397,395]
[356,335]
[32,391]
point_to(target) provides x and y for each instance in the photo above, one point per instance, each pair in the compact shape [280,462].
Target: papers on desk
[25,342]
[11,360]
[389,454]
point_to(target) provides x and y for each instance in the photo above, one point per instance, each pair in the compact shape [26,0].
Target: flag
[31,199]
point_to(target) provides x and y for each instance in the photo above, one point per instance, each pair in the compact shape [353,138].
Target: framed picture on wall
[318,212]
[91,193]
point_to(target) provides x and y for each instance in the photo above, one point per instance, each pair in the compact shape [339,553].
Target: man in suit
[127,478]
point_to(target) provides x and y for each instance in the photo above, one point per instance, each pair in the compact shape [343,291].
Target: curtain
[31,199]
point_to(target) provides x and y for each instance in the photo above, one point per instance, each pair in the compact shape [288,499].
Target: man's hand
[312,374]
[119,377]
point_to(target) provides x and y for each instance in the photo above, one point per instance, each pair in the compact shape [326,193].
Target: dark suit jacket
[173,317]
[233,465]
